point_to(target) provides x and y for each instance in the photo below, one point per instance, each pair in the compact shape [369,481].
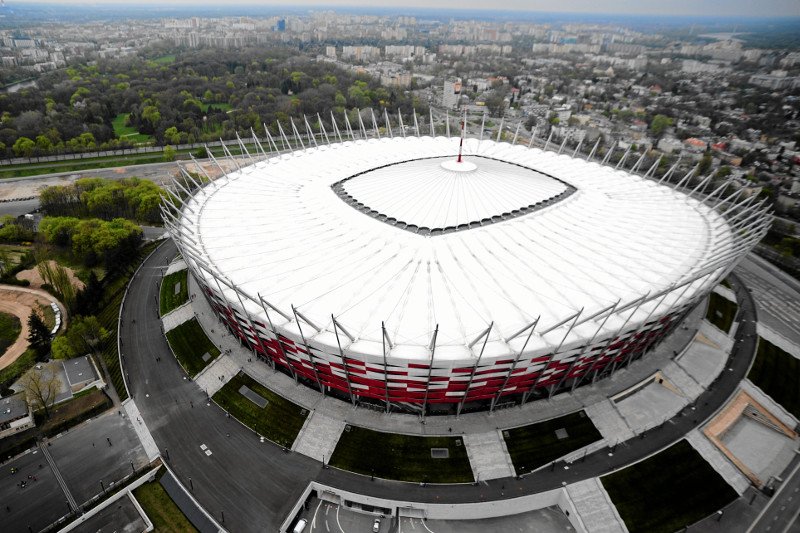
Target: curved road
[255,484]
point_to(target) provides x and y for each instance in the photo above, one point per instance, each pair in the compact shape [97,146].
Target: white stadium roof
[567,236]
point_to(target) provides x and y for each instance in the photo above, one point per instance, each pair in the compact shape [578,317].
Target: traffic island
[268,414]
[668,491]
[402,457]
[535,445]
[192,348]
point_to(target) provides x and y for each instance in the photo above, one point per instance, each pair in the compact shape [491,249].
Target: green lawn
[10,327]
[280,421]
[189,342]
[14,371]
[165,59]
[721,311]
[401,457]
[668,491]
[128,132]
[161,510]
[537,444]
[222,106]
[169,298]
[777,373]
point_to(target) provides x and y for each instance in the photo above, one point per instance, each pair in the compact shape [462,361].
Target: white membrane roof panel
[278,229]
[441,192]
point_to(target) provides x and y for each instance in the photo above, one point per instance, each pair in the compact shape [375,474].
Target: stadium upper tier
[278,229]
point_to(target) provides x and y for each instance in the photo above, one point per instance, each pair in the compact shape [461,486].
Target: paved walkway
[178,316]
[141,430]
[319,436]
[175,266]
[609,422]
[718,461]
[704,362]
[213,377]
[488,455]
[594,507]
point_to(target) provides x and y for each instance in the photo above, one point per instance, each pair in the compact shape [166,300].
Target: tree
[659,124]
[88,299]
[57,277]
[41,386]
[38,335]
[23,147]
[705,164]
[169,153]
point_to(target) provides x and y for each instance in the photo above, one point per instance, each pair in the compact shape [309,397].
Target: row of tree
[111,244]
[130,198]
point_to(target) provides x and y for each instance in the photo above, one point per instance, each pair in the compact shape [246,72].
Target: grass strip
[776,373]
[668,491]
[162,511]
[401,457]
[10,328]
[536,445]
[189,342]
[169,299]
[280,421]
[721,312]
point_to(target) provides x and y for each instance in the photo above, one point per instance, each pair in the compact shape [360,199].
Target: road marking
[425,525]
[412,523]
[792,521]
[314,520]
[774,498]
[337,518]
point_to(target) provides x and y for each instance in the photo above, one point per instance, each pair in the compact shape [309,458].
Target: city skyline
[681,8]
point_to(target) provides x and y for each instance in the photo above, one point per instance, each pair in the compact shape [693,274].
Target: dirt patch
[36,281]
[19,301]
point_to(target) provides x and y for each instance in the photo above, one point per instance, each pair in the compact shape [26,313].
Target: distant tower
[451,93]
[281,25]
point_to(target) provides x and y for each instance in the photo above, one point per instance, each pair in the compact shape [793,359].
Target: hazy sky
[722,8]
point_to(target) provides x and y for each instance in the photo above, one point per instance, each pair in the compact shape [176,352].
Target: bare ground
[20,301]
[33,276]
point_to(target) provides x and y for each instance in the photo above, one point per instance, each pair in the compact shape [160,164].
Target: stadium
[394,271]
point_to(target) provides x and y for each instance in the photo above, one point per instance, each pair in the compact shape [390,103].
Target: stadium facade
[385,271]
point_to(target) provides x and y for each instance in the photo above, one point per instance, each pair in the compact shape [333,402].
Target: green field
[668,491]
[537,444]
[721,311]
[128,132]
[401,457]
[169,299]
[777,373]
[10,327]
[165,59]
[280,421]
[161,510]
[189,342]
[222,106]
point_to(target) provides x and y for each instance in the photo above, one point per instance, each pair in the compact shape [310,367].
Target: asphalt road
[37,505]
[782,513]
[85,458]
[256,484]
[777,296]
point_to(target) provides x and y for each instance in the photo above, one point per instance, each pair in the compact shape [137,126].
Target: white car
[376,526]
